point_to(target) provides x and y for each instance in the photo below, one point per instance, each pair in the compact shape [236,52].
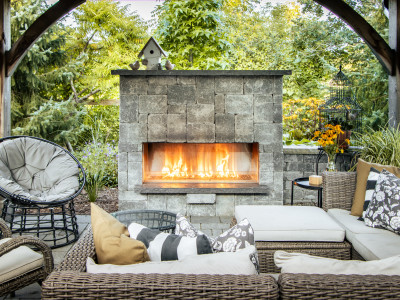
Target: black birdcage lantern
[341,107]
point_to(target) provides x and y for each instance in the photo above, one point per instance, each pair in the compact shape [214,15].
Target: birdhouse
[152,53]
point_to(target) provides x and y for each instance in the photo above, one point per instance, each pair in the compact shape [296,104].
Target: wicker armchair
[35,274]
[338,192]
[70,280]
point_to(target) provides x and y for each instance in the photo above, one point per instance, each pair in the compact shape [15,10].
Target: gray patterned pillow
[239,236]
[384,209]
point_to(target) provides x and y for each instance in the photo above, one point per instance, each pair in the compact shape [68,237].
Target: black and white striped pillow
[371,183]
[162,246]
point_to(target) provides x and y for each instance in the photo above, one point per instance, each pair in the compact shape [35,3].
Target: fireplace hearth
[200,142]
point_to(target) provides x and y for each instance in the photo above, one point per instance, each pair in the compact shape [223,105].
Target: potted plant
[327,138]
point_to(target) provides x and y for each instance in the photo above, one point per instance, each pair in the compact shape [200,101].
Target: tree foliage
[193,32]
[110,37]
[45,67]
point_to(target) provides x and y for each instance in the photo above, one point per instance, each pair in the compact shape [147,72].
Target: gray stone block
[162,80]
[244,200]
[181,94]
[176,204]
[176,128]
[200,198]
[293,158]
[220,104]
[224,128]
[156,202]
[201,133]
[278,85]
[134,157]
[259,85]
[176,109]
[157,128]
[266,158]
[124,147]
[133,85]
[201,209]
[134,174]
[137,133]
[143,118]
[122,180]
[278,161]
[265,199]
[153,104]
[291,175]
[157,90]
[263,109]
[122,161]
[278,98]
[239,104]
[263,134]
[185,80]
[132,205]
[244,129]
[200,113]
[266,177]
[205,90]
[225,206]
[129,108]
[277,118]
[228,85]
[124,196]
[273,147]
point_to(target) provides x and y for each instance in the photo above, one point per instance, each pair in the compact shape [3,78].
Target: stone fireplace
[200,142]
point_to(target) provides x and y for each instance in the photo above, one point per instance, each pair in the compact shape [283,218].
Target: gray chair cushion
[37,170]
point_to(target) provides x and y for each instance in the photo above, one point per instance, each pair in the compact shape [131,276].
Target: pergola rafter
[388,55]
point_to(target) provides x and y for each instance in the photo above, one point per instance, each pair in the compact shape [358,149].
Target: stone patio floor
[212,226]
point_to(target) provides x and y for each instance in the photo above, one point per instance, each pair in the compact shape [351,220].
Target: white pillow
[236,263]
[308,264]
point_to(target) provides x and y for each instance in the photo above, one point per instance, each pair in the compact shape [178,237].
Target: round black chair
[39,181]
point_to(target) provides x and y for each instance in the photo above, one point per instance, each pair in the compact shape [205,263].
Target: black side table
[304,183]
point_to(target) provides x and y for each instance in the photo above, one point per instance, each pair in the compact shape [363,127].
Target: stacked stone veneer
[200,107]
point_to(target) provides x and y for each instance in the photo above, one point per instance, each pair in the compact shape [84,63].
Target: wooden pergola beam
[41,24]
[378,45]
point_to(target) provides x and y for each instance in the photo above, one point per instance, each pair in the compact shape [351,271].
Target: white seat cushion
[377,246]
[18,261]
[290,223]
[351,224]
[236,263]
[370,243]
[308,264]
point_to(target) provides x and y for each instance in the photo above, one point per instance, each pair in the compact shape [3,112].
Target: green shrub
[381,146]
[301,118]
[101,166]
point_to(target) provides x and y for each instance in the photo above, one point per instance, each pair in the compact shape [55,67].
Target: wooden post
[5,82]
[394,79]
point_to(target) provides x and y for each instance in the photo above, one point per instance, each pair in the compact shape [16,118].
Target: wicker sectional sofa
[338,192]
[70,281]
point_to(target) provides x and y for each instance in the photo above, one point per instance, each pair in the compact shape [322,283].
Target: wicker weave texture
[69,281]
[79,285]
[37,275]
[318,286]
[266,251]
[5,231]
[338,189]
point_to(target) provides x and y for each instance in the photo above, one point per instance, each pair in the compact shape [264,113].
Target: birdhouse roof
[155,42]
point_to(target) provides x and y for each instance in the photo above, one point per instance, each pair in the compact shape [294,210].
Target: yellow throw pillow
[112,242]
[363,168]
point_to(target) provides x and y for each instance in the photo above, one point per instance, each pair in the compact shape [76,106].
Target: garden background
[63,89]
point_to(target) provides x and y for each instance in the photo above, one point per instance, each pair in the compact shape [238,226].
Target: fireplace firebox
[200,162]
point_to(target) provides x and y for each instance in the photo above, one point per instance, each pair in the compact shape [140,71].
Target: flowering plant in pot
[327,138]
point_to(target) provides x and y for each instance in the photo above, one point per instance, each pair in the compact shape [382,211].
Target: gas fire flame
[180,170]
